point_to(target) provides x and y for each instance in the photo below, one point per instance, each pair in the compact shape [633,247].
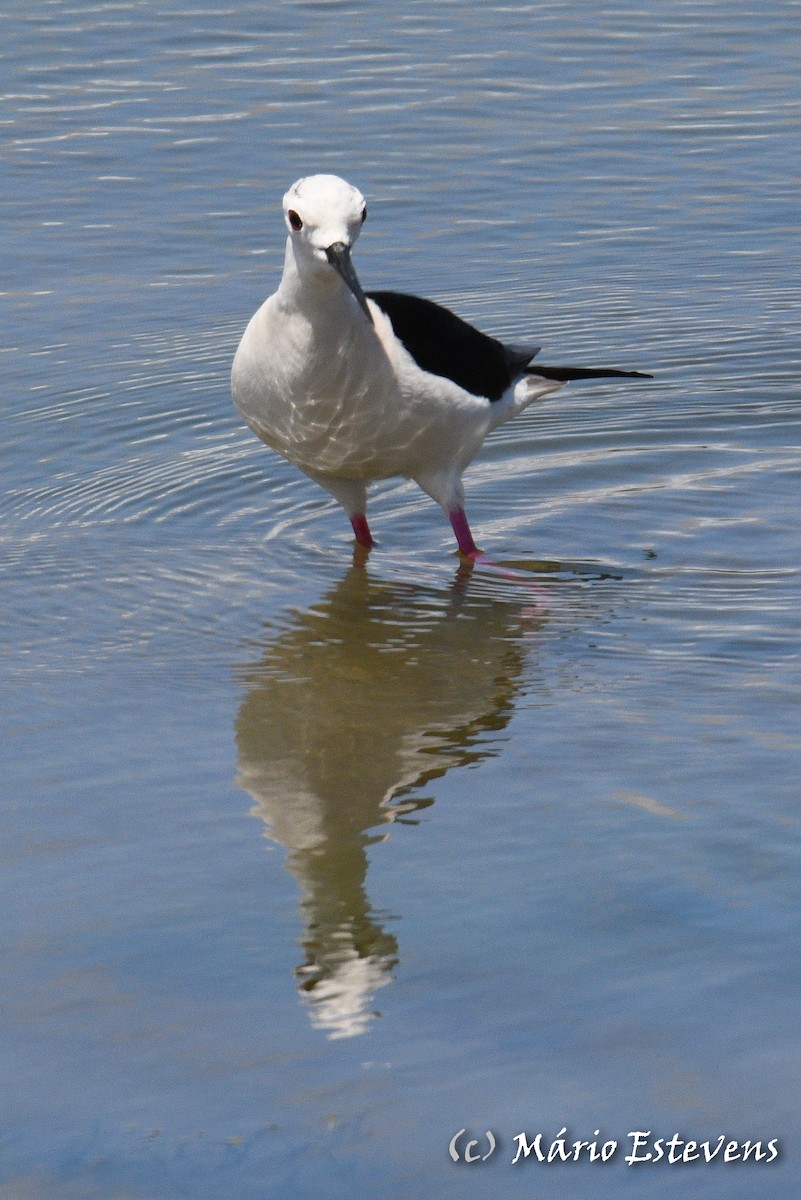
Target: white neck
[310,283]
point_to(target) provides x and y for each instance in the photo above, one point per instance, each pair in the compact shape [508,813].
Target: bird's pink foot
[471,554]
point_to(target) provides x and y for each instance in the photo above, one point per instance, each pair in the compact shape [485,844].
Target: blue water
[309,866]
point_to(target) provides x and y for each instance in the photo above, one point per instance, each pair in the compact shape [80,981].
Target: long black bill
[339,257]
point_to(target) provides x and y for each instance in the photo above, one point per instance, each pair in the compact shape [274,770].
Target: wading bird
[352,386]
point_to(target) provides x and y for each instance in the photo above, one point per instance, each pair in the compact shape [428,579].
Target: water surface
[309,865]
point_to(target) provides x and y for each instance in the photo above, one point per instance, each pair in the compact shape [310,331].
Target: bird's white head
[321,210]
[324,216]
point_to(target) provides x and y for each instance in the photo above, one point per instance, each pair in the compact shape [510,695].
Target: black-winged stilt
[352,386]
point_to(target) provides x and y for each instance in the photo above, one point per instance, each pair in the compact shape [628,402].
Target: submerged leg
[362,530]
[448,492]
[464,537]
[352,495]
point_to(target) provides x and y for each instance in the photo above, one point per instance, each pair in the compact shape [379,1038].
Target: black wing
[444,344]
[567,373]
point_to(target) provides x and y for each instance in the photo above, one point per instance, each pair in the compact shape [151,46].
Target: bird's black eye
[294,220]
[364,214]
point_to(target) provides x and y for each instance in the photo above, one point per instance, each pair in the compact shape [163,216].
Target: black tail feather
[566,373]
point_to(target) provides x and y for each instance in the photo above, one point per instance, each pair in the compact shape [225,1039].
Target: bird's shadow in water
[351,709]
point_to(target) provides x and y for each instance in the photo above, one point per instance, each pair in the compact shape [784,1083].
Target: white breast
[344,398]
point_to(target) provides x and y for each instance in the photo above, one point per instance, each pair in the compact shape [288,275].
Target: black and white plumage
[352,387]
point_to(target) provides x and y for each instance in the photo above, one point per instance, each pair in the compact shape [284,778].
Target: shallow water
[310,865]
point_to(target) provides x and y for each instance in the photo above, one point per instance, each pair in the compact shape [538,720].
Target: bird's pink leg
[362,530]
[464,538]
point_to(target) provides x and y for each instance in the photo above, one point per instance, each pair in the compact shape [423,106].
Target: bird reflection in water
[354,706]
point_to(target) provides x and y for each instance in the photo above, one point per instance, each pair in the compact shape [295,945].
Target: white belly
[345,399]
